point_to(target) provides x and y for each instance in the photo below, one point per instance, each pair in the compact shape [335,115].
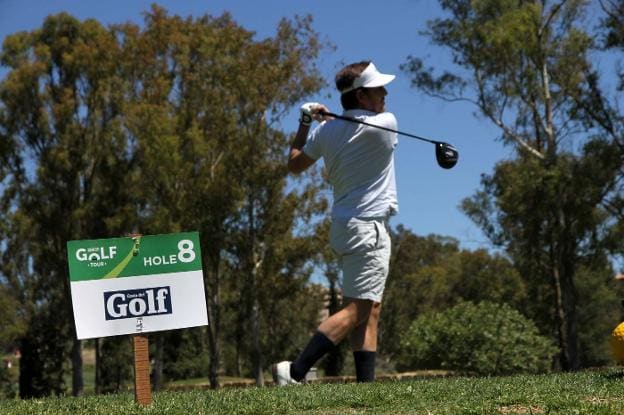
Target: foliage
[429,274]
[41,375]
[486,338]
[599,310]
[526,67]
[521,60]
[613,22]
[8,388]
[185,354]
[515,209]
[199,122]
[12,324]
[602,104]
[116,364]
[65,178]
[154,129]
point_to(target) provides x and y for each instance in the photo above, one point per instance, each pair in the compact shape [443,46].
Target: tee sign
[136,284]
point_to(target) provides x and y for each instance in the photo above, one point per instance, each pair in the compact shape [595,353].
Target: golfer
[359,160]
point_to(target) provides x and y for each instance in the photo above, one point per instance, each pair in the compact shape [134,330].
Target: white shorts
[363,249]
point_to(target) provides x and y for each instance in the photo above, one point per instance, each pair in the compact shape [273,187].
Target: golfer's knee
[362,311]
[375,312]
[368,312]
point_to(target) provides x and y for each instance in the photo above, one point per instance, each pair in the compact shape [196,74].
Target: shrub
[8,383]
[486,339]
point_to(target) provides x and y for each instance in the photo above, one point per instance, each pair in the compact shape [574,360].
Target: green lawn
[590,392]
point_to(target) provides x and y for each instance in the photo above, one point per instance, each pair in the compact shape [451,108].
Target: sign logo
[137,303]
[96,255]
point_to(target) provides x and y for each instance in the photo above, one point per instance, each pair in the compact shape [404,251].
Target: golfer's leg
[363,246]
[330,333]
[339,325]
[364,336]
[363,341]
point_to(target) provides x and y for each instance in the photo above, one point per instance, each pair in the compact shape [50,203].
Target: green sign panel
[100,259]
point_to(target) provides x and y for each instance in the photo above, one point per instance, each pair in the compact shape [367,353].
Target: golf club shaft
[342,117]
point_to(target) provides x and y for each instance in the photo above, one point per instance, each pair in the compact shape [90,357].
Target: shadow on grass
[613,374]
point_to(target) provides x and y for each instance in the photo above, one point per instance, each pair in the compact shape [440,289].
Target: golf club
[446,154]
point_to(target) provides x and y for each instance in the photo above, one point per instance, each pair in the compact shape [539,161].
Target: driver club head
[446,155]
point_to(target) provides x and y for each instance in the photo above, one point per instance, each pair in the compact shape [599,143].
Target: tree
[614,24]
[61,105]
[267,253]
[154,129]
[522,228]
[604,108]
[204,111]
[525,66]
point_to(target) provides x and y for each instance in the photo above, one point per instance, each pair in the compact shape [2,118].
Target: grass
[589,392]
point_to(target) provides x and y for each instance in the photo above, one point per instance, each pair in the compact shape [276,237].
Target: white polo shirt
[359,160]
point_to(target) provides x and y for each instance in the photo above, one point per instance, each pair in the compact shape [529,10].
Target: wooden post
[142,386]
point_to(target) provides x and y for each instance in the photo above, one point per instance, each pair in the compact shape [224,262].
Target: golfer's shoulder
[384,119]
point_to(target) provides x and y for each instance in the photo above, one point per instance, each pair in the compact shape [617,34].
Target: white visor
[370,78]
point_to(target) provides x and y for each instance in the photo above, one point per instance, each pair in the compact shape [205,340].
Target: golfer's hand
[313,111]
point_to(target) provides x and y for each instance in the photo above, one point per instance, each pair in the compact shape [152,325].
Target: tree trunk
[566,321]
[562,263]
[26,389]
[241,320]
[573,362]
[561,320]
[77,378]
[568,271]
[215,352]
[214,324]
[256,349]
[254,263]
[256,353]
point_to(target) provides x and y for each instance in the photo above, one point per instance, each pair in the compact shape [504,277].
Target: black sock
[364,365]
[318,345]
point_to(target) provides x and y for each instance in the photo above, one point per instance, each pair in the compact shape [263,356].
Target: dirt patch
[88,356]
[520,409]
[595,400]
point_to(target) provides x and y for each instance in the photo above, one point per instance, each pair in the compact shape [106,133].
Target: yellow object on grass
[617,343]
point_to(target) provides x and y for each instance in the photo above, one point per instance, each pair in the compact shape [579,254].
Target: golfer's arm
[298,161]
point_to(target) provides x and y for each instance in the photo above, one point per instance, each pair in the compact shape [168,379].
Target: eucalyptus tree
[526,67]
[204,110]
[61,102]
[172,126]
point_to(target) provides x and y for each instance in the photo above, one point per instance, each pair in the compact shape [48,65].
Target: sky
[385,32]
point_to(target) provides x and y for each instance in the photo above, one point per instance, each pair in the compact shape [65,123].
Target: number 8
[186,253]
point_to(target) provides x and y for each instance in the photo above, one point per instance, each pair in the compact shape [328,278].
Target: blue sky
[386,32]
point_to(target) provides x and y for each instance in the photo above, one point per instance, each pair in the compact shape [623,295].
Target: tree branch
[498,120]
[548,127]
[551,16]
[607,10]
